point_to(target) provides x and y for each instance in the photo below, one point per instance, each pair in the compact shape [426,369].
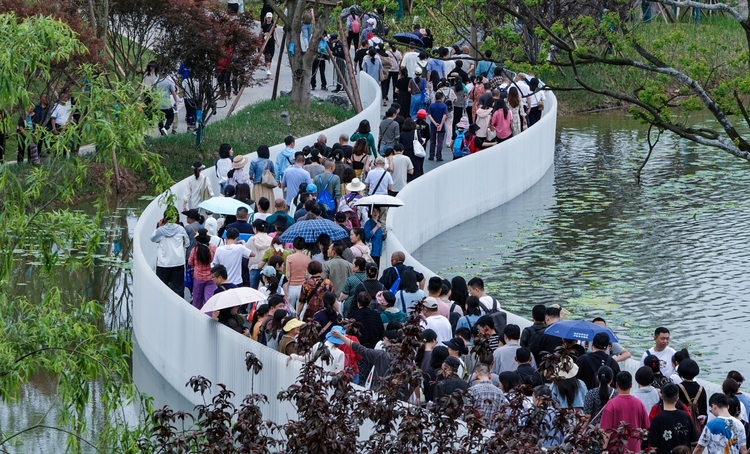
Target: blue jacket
[284,160]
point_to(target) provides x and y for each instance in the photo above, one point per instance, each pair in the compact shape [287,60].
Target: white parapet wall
[181,342]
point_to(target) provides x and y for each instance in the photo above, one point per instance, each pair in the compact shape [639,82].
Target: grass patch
[709,52]
[255,125]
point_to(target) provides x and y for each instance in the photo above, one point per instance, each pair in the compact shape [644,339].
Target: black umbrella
[408,38]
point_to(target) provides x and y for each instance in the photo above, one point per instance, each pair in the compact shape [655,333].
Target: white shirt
[401,166]
[665,359]
[441,326]
[524,89]
[449,66]
[486,300]
[61,113]
[410,62]
[231,255]
[373,176]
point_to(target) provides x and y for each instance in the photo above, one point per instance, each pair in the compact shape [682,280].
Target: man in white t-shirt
[435,321]
[230,255]
[487,303]
[661,350]
[523,88]
[409,61]
[378,180]
[61,113]
[401,166]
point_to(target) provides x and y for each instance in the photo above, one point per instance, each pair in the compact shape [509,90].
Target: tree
[653,76]
[50,335]
[301,62]
[212,45]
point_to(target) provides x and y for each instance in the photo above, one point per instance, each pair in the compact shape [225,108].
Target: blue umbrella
[223,205]
[579,330]
[408,38]
[310,230]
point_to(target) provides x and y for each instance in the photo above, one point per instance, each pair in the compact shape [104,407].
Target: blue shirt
[485,68]
[375,238]
[284,160]
[436,65]
[437,111]
[293,177]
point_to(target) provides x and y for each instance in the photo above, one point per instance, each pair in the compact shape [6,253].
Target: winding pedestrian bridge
[181,342]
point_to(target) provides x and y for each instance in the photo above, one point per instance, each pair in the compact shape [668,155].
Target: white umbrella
[233,297]
[223,205]
[380,199]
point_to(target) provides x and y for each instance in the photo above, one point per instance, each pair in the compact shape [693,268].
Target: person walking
[171,242]
[437,114]
[197,189]
[258,168]
[624,408]
[200,259]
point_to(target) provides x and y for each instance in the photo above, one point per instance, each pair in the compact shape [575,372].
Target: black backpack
[499,318]
[533,332]
[454,317]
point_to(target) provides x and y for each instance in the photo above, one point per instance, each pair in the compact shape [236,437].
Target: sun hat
[268,271]
[198,165]
[355,186]
[463,124]
[566,368]
[293,323]
[335,340]
[421,114]
[239,162]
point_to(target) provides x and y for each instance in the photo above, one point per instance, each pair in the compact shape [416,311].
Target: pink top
[296,267]
[503,125]
[629,409]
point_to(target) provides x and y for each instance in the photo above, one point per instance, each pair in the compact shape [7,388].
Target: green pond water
[670,251]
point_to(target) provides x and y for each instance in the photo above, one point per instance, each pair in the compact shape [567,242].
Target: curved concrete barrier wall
[181,342]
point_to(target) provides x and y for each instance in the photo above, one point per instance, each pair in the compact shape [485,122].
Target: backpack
[692,405]
[459,147]
[498,317]
[454,317]
[325,197]
[322,47]
[355,24]
[397,283]
[533,332]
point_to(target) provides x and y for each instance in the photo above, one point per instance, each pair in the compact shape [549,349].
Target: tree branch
[742,107]
[704,6]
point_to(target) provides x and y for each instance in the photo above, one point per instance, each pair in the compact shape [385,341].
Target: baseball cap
[430,303]
[452,362]
[311,188]
[429,335]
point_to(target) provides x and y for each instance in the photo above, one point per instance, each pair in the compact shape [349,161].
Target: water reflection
[108,281]
[671,251]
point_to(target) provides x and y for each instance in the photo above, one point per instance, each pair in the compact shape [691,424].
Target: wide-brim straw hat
[355,186]
[239,162]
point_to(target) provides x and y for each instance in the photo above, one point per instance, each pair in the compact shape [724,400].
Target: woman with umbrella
[229,317]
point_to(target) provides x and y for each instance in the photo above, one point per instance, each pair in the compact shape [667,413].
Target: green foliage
[252,126]
[55,335]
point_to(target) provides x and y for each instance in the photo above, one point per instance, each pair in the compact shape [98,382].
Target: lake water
[671,251]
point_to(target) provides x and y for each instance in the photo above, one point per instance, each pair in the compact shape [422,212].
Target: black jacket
[589,364]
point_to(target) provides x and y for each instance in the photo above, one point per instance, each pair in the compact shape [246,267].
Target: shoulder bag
[268,180]
[419,150]
[205,193]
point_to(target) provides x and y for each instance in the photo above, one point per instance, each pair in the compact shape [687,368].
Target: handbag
[539,104]
[205,193]
[268,180]
[383,74]
[419,150]
[188,276]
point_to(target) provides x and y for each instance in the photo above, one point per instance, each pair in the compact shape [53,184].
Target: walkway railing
[181,342]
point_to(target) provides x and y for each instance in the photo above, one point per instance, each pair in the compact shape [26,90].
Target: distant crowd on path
[39,125]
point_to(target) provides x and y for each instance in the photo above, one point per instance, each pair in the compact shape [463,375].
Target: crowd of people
[360,305]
